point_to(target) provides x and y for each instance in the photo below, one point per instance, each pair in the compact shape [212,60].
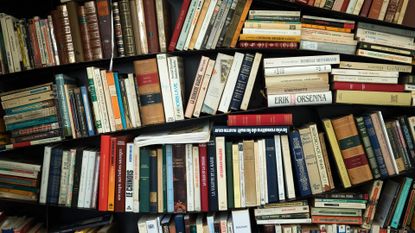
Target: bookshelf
[54,215]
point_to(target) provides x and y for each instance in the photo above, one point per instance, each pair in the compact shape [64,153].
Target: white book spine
[319,157]
[134,100]
[281,210]
[383,9]
[358,7]
[64,178]
[339,205]
[83,181]
[205,24]
[236,174]
[364,79]
[257,173]
[221,173]
[280,168]
[72,155]
[175,64]
[231,82]
[136,179]
[242,174]
[45,175]
[101,100]
[193,22]
[280,32]
[373,73]
[203,88]
[196,86]
[288,172]
[388,144]
[94,195]
[277,71]
[351,6]
[184,33]
[142,26]
[165,87]
[302,61]
[300,99]
[261,172]
[151,225]
[130,97]
[90,179]
[189,177]
[95,105]
[253,13]
[385,56]
[129,178]
[196,180]
[7,44]
[265,175]
[278,228]
[284,221]
[108,102]
[251,81]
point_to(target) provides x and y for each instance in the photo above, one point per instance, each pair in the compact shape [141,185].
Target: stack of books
[328,35]
[208,24]
[339,208]
[388,43]
[296,212]
[224,84]
[19,180]
[298,80]
[379,83]
[20,224]
[31,116]
[69,177]
[271,29]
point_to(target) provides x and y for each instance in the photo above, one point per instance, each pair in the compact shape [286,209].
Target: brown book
[119,40]
[127,27]
[326,160]
[408,18]
[365,8]
[375,9]
[84,34]
[398,11]
[151,105]
[72,7]
[249,173]
[93,30]
[135,25]
[390,12]
[151,26]
[67,37]
[120,174]
[352,150]
[104,21]
[179,178]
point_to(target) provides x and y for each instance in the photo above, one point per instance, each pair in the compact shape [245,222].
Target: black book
[271,170]
[54,176]
[77,176]
[80,112]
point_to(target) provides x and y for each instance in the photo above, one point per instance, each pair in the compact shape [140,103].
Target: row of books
[396,11]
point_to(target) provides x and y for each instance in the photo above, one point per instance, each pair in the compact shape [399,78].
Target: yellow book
[374,97]
[269,38]
[249,173]
[344,176]
[236,178]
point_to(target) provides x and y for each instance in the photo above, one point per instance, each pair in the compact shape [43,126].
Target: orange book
[352,150]
[111,177]
[240,24]
[114,100]
[337,220]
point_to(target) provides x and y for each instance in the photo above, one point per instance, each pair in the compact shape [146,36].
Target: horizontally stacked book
[287,213]
[328,35]
[271,29]
[298,80]
[31,115]
[19,180]
[380,84]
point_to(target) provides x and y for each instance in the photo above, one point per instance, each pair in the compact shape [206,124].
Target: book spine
[83,23]
[186,28]
[126,27]
[179,24]
[271,170]
[166,89]
[93,30]
[49,134]
[259,119]
[120,101]
[88,113]
[119,39]
[54,177]
[368,147]
[80,112]
[163,24]
[300,99]
[129,178]
[319,157]
[205,24]
[204,179]
[189,177]
[196,86]
[374,97]
[229,175]
[94,100]
[144,180]
[153,181]
[300,168]
[196,178]
[175,66]
[241,82]
[212,177]
[236,34]
[105,24]
[151,26]
[104,172]
[297,70]
[34,122]
[221,172]
[179,179]
[249,130]
[401,202]
[368,87]
[45,174]
[169,171]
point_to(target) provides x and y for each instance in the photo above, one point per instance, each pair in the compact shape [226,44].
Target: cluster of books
[223,84]
[396,11]
[298,80]
[19,180]
[69,177]
[31,115]
[380,84]
[328,35]
[295,212]
[271,29]
[388,43]
[20,224]
[208,24]
[237,221]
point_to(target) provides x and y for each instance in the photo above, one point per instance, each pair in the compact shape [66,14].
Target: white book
[94,195]
[319,157]
[328,19]
[264,171]
[203,88]
[152,226]
[280,168]
[364,79]
[253,13]
[83,181]
[229,224]
[358,7]
[176,75]
[372,73]
[388,142]
[251,81]
[210,219]
[13,42]
[288,172]
[217,83]
[302,61]
[280,32]
[64,177]
[184,33]
[351,6]
[236,175]
[196,180]
[90,179]
[189,177]
[281,210]
[261,172]
[108,102]
[101,100]
[136,179]
[72,155]
[257,173]
[129,177]
[375,66]
[279,71]
[338,205]
[142,26]
[165,87]
[383,9]
[242,173]
[142,224]
[45,175]
[312,98]
[278,228]
[284,221]
[231,82]
[199,223]
[132,100]
[130,107]
[193,22]
[7,43]
[205,24]
[221,173]
[382,38]
[94,100]
[241,221]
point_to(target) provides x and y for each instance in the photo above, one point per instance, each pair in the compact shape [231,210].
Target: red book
[204,184]
[347,220]
[120,175]
[260,119]
[112,171]
[151,26]
[344,6]
[365,8]
[368,87]
[179,25]
[104,166]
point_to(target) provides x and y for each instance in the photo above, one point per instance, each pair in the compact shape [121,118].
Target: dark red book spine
[260,119]
[365,8]
[104,20]
[104,166]
[204,184]
[151,26]
[179,178]
[179,25]
[120,175]
[301,1]
[344,6]
[368,87]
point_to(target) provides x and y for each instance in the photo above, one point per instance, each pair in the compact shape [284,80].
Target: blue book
[300,168]
[54,176]
[271,170]
[400,205]
[376,146]
[30,107]
[179,222]
[38,121]
[164,175]
[213,192]
[61,80]
[120,103]
[169,170]
[88,113]
[240,86]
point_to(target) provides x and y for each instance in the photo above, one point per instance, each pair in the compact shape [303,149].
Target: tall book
[179,178]
[151,26]
[105,24]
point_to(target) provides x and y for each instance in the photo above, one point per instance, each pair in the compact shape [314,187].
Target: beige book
[249,173]
[203,88]
[108,102]
[139,4]
[375,66]
[374,97]
[411,122]
[199,22]
[326,159]
[257,173]
[319,156]
[236,178]
[383,10]
[303,87]
[160,180]
[293,80]
[136,29]
[288,172]
[196,86]
[221,173]
[327,36]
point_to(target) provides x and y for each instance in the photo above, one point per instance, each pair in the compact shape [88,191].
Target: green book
[229,174]
[144,180]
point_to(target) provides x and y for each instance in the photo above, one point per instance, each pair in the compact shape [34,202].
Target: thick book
[104,21]
[54,176]
[179,178]
[297,154]
[126,26]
